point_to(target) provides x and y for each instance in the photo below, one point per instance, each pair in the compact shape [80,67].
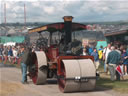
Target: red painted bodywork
[52,53]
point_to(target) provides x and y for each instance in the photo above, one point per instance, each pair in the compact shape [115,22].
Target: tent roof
[116,33]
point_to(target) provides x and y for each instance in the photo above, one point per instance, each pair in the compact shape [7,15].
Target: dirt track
[10,85]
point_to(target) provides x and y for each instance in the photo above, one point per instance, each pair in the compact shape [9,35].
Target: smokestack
[5,13]
[24,15]
[1,18]
[68,28]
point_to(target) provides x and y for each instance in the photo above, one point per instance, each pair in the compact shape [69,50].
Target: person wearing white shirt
[15,55]
[106,51]
[84,52]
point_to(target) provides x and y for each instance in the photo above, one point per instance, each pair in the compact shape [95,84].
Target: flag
[119,69]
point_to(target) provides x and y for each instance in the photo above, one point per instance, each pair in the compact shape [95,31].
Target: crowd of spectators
[11,54]
[114,58]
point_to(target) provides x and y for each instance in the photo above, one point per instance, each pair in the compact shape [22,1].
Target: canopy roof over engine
[57,27]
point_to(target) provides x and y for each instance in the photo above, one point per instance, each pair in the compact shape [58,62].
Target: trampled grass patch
[120,86]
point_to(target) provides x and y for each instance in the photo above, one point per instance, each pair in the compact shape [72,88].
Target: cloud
[54,10]
[49,10]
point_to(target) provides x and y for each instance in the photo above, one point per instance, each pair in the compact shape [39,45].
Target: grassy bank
[120,86]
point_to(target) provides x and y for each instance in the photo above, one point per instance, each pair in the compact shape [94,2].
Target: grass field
[120,86]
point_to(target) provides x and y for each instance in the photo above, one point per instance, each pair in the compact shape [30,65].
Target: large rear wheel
[38,73]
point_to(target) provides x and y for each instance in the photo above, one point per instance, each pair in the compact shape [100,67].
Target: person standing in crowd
[105,55]
[125,60]
[127,49]
[96,58]
[113,59]
[14,55]
[24,57]
[5,54]
[84,52]
[90,49]
[10,54]
[1,53]
[100,53]
[117,49]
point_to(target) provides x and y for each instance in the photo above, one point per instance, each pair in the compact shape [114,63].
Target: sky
[54,10]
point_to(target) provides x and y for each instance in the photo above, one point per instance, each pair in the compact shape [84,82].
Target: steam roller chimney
[68,28]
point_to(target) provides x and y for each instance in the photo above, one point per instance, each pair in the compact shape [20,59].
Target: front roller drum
[40,62]
[78,75]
